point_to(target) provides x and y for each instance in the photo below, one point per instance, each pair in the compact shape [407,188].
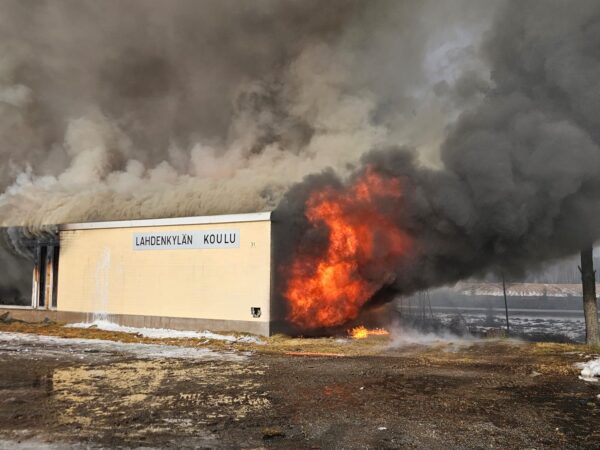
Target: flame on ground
[328,287]
[362,332]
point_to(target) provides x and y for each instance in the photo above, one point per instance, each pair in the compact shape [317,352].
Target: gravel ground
[484,394]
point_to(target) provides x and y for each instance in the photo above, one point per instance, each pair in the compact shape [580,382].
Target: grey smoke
[150,108]
[145,108]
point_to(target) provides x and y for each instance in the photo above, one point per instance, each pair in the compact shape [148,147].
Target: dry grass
[552,347]
[329,345]
[275,344]
[545,358]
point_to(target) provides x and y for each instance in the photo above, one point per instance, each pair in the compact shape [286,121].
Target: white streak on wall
[102,286]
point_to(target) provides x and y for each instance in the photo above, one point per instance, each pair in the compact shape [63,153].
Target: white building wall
[101,273]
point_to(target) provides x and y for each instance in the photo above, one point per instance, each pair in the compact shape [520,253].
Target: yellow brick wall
[99,271]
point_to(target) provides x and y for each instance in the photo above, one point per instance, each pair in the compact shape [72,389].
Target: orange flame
[362,332]
[329,289]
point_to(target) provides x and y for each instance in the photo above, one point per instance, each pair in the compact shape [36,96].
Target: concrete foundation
[141,321]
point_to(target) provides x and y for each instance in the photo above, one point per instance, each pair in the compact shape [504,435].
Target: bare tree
[590,306]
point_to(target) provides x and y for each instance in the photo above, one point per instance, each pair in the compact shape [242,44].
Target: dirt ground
[292,393]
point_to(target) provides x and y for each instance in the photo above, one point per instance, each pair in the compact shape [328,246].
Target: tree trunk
[505,304]
[590,306]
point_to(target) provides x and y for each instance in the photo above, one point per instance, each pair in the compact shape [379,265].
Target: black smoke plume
[519,182]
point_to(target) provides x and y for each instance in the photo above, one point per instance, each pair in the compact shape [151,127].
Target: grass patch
[275,344]
[545,358]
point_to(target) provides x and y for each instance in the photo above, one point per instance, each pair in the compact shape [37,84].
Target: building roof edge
[194,220]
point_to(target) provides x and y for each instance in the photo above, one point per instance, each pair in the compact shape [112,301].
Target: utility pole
[505,304]
[590,305]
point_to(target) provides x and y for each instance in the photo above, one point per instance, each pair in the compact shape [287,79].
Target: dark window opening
[41,262]
[255,311]
[54,302]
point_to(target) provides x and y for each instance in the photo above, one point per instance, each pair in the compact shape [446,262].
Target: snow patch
[163,333]
[35,346]
[570,327]
[590,371]
[521,289]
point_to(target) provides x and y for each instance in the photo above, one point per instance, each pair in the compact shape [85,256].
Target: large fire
[329,289]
